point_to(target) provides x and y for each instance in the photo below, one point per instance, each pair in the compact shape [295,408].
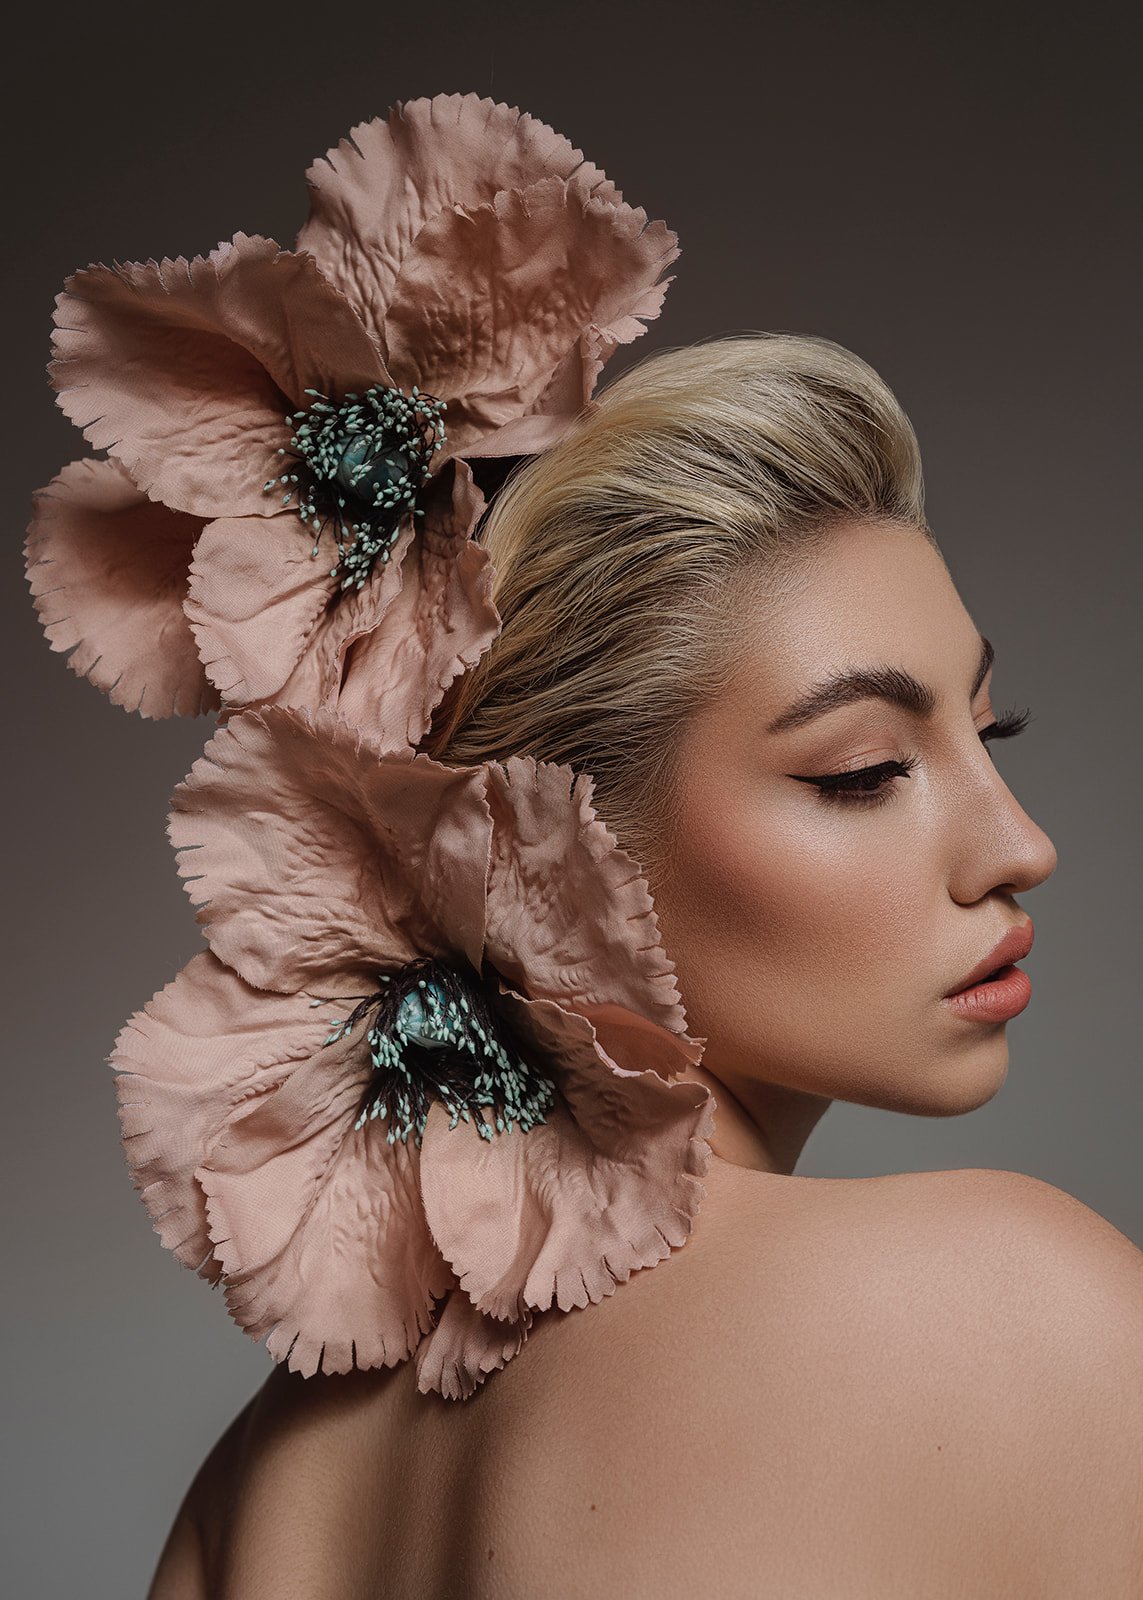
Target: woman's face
[814,937]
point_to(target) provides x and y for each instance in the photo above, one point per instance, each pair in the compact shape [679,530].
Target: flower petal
[184,369]
[199,1048]
[569,1209]
[352,614]
[570,917]
[464,1347]
[373,193]
[440,623]
[554,412]
[318,861]
[491,299]
[319,1226]
[108,570]
[254,597]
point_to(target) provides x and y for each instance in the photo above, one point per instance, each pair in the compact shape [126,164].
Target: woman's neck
[761,1126]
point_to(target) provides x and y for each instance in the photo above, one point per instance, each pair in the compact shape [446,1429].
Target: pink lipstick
[996,990]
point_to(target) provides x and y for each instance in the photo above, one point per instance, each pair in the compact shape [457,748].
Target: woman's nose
[1001,846]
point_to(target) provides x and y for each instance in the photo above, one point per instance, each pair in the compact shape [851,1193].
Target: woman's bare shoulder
[845,1271]
[836,1381]
[182,1572]
[880,1367]
[963,1262]
[277,1502]
[1050,1271]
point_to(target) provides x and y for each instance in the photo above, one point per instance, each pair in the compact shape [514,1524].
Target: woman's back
[926,1384]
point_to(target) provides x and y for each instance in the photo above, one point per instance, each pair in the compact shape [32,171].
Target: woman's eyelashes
[873,786]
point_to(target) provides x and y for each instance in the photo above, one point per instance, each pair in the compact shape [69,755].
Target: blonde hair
[617,551]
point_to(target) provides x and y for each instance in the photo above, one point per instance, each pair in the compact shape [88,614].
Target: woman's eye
[864,786]
[873,786]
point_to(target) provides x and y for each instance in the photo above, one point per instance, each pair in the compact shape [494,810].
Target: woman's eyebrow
[900,688]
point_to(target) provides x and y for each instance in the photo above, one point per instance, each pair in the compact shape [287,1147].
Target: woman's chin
[948,1088]
[968,1083]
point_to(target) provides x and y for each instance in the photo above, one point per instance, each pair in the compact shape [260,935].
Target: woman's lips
[1003,997]
[1014,946]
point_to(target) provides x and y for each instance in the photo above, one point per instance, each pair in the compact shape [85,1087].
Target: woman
[720,597]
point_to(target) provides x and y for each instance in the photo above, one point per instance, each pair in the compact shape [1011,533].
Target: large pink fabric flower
[340,1182]
[457,250]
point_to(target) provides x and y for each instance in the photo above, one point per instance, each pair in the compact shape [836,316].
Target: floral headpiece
[425,1081]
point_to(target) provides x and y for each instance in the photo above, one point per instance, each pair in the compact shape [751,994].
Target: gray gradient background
[944,190]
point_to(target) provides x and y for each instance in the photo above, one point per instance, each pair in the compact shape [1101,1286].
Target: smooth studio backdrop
[947,190]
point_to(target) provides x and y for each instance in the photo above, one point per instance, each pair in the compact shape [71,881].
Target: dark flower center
[433,1035]
[358,466]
